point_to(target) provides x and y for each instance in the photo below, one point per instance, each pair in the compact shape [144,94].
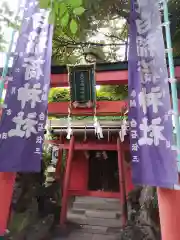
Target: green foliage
[59,95]
[44,4]
[73,26]
[76,21]
[51,17]
[64,13]
[116,92]
[46,158]
[78,11]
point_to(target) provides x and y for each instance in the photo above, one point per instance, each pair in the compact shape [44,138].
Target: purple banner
[150,116]
[23,120]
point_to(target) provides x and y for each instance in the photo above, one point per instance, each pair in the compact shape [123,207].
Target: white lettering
[40,127]
[40,19]
[157,129]
[8,112]
[142,47]
[143,26]
[4,135]
[37,42]
[144,67]
[39,140]
[135,159]
[151,133]
[24,127]
[134,134]
[133,93]
[45,92]
[13,90]
[33,68]
[150,99]
[135,147]
[149,78]
[133,123]
[26,94]
[41,116]
[145,140]
[32,41]
[132,103]
[38,151]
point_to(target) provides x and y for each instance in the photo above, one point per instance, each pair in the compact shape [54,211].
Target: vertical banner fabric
[23,121]
[150,115]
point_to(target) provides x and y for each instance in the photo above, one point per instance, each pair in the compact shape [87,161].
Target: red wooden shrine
[75,180]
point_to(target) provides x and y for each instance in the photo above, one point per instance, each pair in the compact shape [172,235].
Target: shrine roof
[107,66]
[101,67]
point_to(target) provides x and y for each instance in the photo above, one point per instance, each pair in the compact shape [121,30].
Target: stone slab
[95,229]
[78,211]
[104,222]
[90,199]
[103,214]
[97,206]
[83,220]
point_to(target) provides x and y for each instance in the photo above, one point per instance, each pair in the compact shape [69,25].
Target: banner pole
[172,76]
[168,200]
[8,55]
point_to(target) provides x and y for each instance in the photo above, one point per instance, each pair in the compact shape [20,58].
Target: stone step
[83,220]
[101,230]
[103,214]
[96,200]
[97,206]
[88,236]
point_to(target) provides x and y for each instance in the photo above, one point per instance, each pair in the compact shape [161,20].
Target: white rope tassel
[123,131]
[69,129]
[98,128]
[55,153]
[105,156]
[172,80]
[168,50]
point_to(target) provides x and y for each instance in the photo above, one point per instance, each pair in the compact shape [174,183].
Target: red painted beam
[104,108]
[90,145]
[102,78]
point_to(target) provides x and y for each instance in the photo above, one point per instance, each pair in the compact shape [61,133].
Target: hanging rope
[97,126]
[69,119]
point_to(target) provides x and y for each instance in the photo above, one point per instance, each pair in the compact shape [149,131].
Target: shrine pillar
[169,211]
[7,181]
